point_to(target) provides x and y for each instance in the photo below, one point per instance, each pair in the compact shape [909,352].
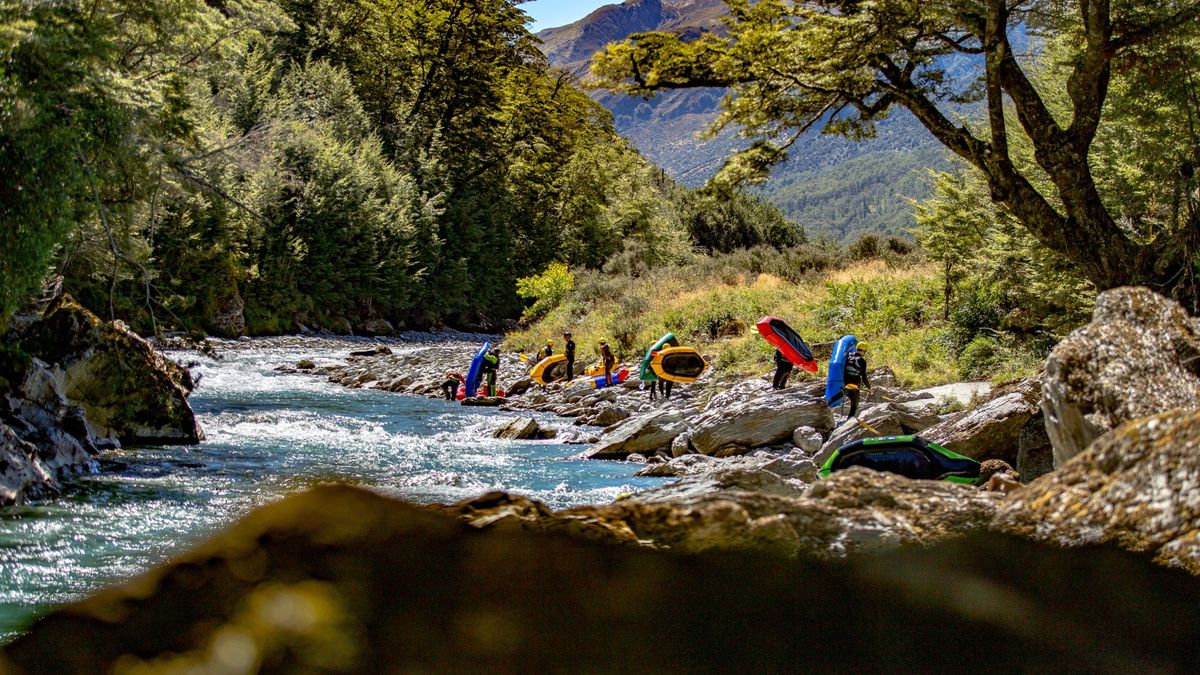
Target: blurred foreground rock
[341,580]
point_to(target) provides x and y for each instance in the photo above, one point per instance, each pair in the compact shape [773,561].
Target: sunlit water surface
[270,434]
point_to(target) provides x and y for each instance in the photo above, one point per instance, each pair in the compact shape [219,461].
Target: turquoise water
[270,434]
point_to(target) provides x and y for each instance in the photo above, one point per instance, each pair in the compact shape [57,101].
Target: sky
[554,13]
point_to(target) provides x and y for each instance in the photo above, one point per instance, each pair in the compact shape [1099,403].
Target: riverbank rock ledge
[126,388]
[739,427]
[1139,355]
[1135,487]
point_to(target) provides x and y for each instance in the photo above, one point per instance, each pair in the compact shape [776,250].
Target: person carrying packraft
[491,364]
[856,376]
[783,369]
[547,351]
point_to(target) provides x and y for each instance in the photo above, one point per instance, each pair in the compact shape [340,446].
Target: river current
[270,434]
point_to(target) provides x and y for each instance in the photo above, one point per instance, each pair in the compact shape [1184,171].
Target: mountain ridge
[831,185]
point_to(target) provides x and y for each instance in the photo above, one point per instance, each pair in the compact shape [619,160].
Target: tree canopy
[842,65]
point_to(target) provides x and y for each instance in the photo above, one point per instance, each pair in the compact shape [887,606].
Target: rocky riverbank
[73,385]
[746,456]
[736,552]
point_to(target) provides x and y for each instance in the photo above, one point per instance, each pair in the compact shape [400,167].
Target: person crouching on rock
[491,364]
[856,376]
[569,352]
[783,369]
[451,383]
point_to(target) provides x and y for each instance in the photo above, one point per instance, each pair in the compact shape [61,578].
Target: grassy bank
[895,305]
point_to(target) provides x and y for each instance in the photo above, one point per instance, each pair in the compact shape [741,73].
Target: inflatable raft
[617,377]
[471,385]
[781,336]
[550,369]
[678,364]
[910,456]
[646,373]
[835,387]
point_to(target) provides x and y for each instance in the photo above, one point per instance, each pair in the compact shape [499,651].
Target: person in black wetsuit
[856,376]
[783,369]
[569,352]
[547,351]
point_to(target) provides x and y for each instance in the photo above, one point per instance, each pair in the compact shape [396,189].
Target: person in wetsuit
[606,356]
[547,351]
[569,352]
[491,364]
[450,384]
[783,369]
[856,376]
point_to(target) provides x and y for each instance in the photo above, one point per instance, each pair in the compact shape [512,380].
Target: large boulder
[643,434]
[757,422]
[523,428]
[1134,487]
[1139,355]
[990,431]
[887,419]
[22,471]
[127,388]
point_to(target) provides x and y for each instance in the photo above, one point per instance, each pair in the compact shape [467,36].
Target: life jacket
[854,369]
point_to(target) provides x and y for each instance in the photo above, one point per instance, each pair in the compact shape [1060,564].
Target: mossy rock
[126,387]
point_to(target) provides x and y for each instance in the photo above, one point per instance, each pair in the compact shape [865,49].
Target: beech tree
[842,65]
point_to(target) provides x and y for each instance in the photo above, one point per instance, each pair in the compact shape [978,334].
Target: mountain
[830,185]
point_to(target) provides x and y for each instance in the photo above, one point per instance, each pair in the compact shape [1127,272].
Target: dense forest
[254,165]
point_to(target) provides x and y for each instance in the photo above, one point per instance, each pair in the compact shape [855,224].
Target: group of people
[489,369]
[855,374]
[607,359]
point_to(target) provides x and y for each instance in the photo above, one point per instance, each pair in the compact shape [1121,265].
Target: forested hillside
[254,165]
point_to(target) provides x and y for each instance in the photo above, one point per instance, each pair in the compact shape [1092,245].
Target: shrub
[547,290]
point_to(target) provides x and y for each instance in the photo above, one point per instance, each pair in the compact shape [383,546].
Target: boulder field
[72,385]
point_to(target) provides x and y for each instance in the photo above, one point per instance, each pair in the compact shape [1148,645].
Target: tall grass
[893,305]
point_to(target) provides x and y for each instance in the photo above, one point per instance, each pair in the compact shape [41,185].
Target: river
[270,434]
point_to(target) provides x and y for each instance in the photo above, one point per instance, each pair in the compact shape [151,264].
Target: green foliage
[547,290]
[740,221]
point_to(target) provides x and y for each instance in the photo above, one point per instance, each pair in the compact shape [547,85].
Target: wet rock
[22,471]
[305,364]
[520,428]
[641,434]
[990,431]
[885,419]
[342,580]
[1139,355]
[381,350]
[483,402]
[127,389]
[756,422]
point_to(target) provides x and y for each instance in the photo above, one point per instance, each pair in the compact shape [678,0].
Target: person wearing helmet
[783,369]
[856,376]
[569,352]
[609,360]
[547,351]
[451,384]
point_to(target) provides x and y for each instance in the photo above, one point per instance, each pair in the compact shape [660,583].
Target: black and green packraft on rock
[910,456]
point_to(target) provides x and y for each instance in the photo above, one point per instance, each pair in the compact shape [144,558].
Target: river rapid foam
[270,434]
